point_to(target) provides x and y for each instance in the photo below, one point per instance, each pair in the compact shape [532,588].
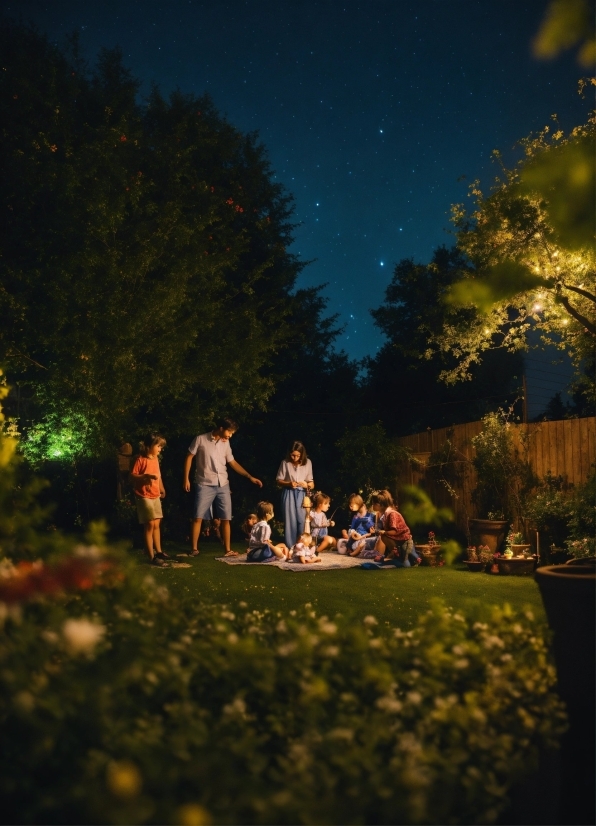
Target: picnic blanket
[329,562]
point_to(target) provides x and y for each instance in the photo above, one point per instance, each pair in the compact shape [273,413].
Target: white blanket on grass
[329,562]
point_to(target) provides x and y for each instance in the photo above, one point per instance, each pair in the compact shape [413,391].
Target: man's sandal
[194,552]
[230,553]
[161,555]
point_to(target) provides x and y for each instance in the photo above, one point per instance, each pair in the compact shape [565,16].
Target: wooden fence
[565,448]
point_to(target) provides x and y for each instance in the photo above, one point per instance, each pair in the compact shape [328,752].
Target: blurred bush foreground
[120,704]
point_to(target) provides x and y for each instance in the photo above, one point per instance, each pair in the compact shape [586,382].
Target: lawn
[397,597]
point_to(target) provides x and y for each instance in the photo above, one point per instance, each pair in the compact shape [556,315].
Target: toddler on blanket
[303,551]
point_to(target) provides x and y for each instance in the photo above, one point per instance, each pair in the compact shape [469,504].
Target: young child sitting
[304,550]
[394,543]
[319,523]
[260,546]
[361,527]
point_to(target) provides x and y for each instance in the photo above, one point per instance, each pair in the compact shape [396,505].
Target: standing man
[213,453]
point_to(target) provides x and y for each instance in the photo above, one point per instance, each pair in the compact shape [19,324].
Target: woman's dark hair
[383,498]
[226,423]
[264,509]
[150,440]
[301,450]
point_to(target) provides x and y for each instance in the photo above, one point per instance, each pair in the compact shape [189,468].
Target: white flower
[330,651]
[237,706]
[82,635]
[494,642]
[414,697]
[463,663]
[232,638]
[370,620]
[286,649]
[389,703]
[327,627]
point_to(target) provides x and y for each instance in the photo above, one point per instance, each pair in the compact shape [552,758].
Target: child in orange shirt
[149,491]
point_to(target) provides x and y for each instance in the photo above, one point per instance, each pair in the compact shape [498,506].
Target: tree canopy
[144,264]
[531,245]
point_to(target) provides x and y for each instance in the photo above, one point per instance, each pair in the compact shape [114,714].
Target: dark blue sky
[371,111]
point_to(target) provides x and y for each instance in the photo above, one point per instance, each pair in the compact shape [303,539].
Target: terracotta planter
[477,567]
[429,554]
[488,532]
[516,566]
[520,549]
[569,596]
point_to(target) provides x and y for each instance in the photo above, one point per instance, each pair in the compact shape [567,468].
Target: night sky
[371,111]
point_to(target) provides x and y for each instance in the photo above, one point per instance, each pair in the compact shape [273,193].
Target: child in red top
[149,491]
[395,543]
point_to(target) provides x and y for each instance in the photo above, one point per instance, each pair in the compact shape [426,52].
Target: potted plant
[478,558]
[489,532]
[516,543]
[513,563]
[430,552]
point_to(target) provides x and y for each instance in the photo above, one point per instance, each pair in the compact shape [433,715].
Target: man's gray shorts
[208,496]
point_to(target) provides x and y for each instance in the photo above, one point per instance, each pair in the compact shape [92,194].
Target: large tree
[402,380]
[144,265]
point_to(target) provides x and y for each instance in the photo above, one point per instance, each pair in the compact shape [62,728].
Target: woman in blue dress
[296,478]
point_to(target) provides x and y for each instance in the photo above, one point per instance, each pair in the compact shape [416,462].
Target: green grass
[397,597]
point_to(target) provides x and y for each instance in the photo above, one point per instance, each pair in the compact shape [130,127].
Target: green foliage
[566,517]
[505,477]
[61,437]
[567,23]
[531,244]
[418,509]
[368,458]
[123,705]
[564,179]
[145,276]
[501,281]
[550,507]
[582,521]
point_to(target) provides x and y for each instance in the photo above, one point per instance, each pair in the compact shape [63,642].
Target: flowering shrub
[120,704]
[581,548]
[482,553]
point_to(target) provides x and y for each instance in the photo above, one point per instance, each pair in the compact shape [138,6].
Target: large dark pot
[488,532]
[569,596]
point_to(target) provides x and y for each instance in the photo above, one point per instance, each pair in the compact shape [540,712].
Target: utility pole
[525,390]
